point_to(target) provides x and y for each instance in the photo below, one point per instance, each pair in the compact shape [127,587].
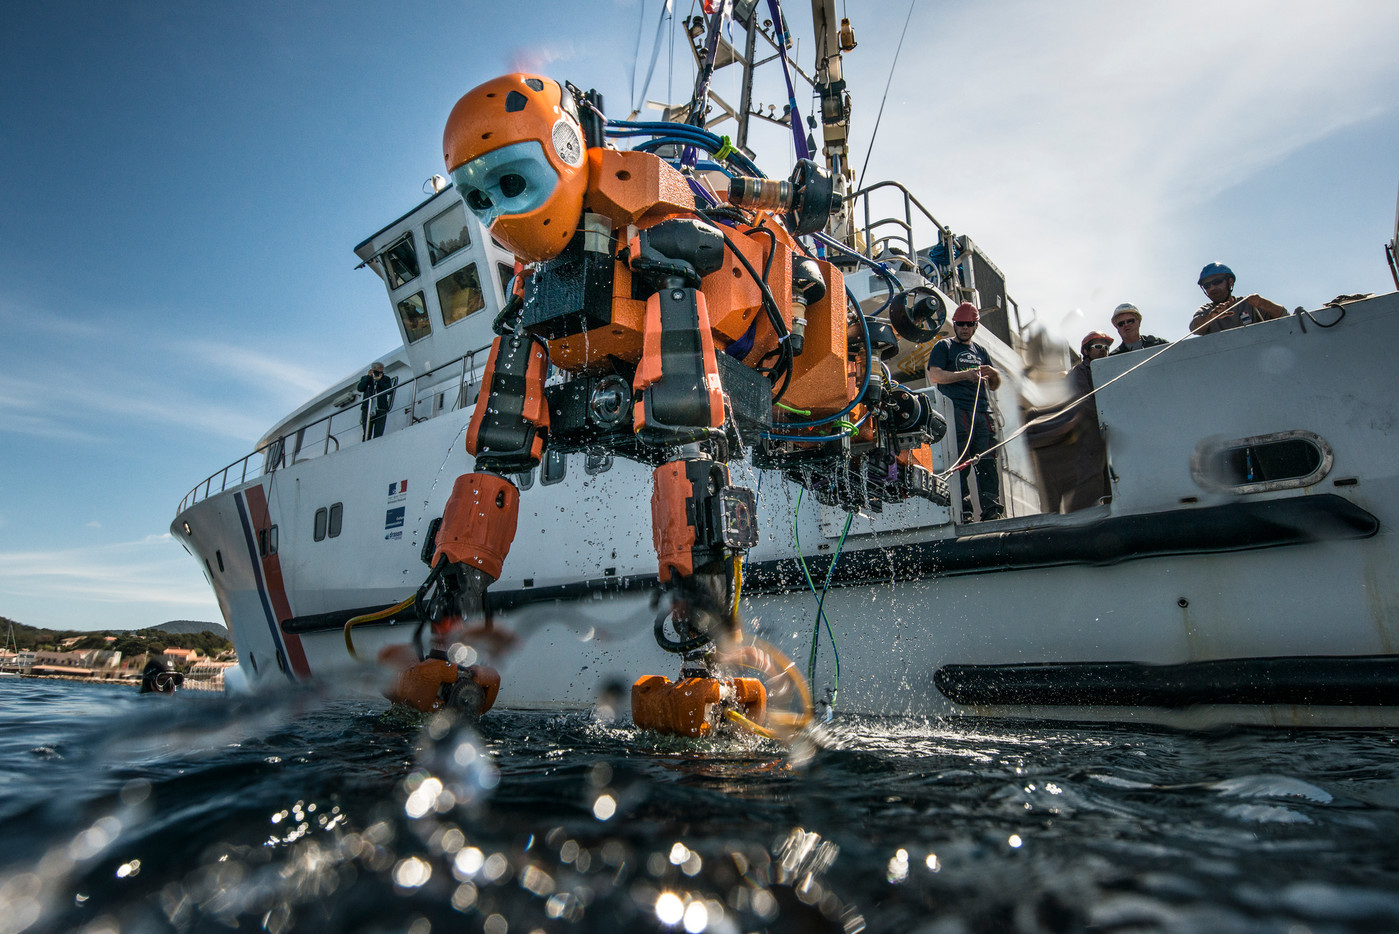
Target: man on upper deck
[963,373]
[1223,311]
[377,391]
[1128,321]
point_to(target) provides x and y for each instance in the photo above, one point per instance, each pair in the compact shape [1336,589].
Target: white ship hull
[1187,600]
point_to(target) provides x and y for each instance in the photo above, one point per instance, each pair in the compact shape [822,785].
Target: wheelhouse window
[320,523]
[446,233]
[459,294]
[267,541]
[401,262]
[337,514]
[506,273]
[412,311]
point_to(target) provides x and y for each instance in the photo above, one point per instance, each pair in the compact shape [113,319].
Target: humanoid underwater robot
[693,327]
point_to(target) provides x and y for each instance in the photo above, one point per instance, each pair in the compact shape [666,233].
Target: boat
[9,667]
[1242,568]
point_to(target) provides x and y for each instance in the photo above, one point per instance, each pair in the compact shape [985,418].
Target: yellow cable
[372,618]
[738,584]
[779,665]
[747,724]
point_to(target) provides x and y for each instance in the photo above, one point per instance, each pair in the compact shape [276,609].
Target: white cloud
[1080,144]
[142,581]
[293,381]
[94,524]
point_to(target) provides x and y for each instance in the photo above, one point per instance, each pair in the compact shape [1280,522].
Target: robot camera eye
[477,200]
[512,185]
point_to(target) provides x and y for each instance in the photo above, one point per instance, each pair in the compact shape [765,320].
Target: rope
[1081,399]
[870,149]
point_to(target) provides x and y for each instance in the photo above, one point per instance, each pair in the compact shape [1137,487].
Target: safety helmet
[515,151]
[1089,338]
[1214,269]
[965,312]
[1125,308]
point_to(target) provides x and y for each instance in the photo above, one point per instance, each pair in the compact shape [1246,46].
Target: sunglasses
[1098,346]
[1217,280]
[1122,323]
[964,324]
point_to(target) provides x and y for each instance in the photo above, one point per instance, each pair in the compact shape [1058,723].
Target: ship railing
[443,389]
[894,234]
[890,237]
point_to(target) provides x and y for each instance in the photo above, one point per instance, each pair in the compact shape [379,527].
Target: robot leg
[506,435]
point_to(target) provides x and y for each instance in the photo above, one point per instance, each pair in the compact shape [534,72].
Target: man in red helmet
[963,373]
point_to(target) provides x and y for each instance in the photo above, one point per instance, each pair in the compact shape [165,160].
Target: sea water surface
[310,812]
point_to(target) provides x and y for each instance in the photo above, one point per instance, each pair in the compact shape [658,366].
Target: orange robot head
[515,151]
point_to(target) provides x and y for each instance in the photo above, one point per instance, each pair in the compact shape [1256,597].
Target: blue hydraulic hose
[686,134]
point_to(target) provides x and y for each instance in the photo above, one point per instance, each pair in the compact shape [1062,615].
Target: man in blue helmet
[1223,311]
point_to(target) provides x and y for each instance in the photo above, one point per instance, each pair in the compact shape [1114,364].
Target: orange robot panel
[735,300]
[673,520]
[534,409]
[635,188]
[820,374]
[479,522]
[921,456]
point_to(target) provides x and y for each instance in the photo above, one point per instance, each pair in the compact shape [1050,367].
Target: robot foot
[434,683]
[698,706]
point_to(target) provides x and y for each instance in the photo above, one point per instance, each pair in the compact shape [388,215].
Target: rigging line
[639,100]
[887,84]
[958,465]
[636,53]
[1195,331]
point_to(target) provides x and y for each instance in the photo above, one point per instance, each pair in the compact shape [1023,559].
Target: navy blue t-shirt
[954,357]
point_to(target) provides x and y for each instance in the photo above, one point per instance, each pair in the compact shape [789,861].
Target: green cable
[786,407]
[821,611]
[820,598]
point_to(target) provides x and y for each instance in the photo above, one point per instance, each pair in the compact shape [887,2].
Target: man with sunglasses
[963,373]
[1128,321]
[1091,485]
[1223,311]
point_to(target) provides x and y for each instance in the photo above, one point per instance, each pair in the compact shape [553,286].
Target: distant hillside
[191,626]
[208,638]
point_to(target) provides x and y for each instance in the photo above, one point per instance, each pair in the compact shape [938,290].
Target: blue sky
[181,186]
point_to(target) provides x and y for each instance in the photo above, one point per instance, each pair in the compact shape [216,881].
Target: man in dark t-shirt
[963,373]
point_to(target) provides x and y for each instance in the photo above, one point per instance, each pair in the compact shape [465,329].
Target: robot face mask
[515,180]
[515,151]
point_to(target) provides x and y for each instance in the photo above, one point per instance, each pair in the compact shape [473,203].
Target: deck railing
[893,235]
[442,389]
